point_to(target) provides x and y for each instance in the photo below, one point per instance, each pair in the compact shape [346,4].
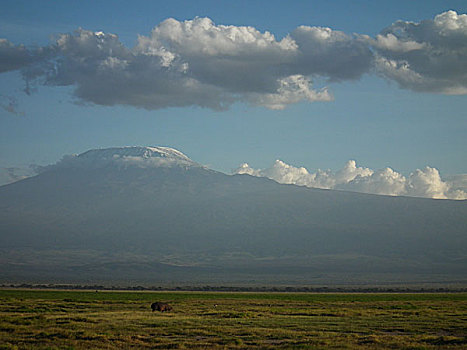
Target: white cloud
[200,37]
[392,43]
[428,183]
[199,63]
[285,173]
[421,183]
[292,89]
[458,181]
[13,57]
[457,185]
[429,56]
[196,62]
[384,181]
[331,54]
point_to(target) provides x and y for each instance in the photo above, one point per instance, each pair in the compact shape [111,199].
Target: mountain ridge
[192,216]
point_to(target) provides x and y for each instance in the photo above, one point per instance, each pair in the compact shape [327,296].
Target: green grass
[114,320]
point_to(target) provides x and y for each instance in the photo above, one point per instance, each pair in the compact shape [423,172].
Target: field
[35,319]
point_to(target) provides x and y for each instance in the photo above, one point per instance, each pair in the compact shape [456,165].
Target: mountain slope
[140,209]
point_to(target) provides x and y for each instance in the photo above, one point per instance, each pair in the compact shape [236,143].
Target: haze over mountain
[152,215]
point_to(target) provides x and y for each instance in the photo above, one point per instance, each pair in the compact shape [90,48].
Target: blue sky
[376,119]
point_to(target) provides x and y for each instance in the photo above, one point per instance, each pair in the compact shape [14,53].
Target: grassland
[121,320]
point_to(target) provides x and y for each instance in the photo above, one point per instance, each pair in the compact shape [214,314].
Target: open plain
[37,319]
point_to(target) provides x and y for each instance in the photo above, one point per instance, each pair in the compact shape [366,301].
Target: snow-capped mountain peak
[134,151]
[131,156]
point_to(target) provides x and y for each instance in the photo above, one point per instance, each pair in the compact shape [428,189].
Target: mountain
[152,215]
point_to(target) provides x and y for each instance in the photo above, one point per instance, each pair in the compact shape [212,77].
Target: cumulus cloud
[292,89]
[18,57]
[180,64]
[429,56]
[107,73]
[458,181]
[13,57]
[420,183]
[332,54]
[197,62]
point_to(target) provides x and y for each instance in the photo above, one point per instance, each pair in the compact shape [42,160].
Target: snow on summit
[134,151]
[131,156]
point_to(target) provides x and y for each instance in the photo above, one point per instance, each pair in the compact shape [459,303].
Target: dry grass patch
[111,320]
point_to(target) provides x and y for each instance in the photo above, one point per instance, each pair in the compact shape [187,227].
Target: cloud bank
[197,62]
[420,183]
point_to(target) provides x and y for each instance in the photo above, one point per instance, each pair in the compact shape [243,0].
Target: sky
[314,84]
